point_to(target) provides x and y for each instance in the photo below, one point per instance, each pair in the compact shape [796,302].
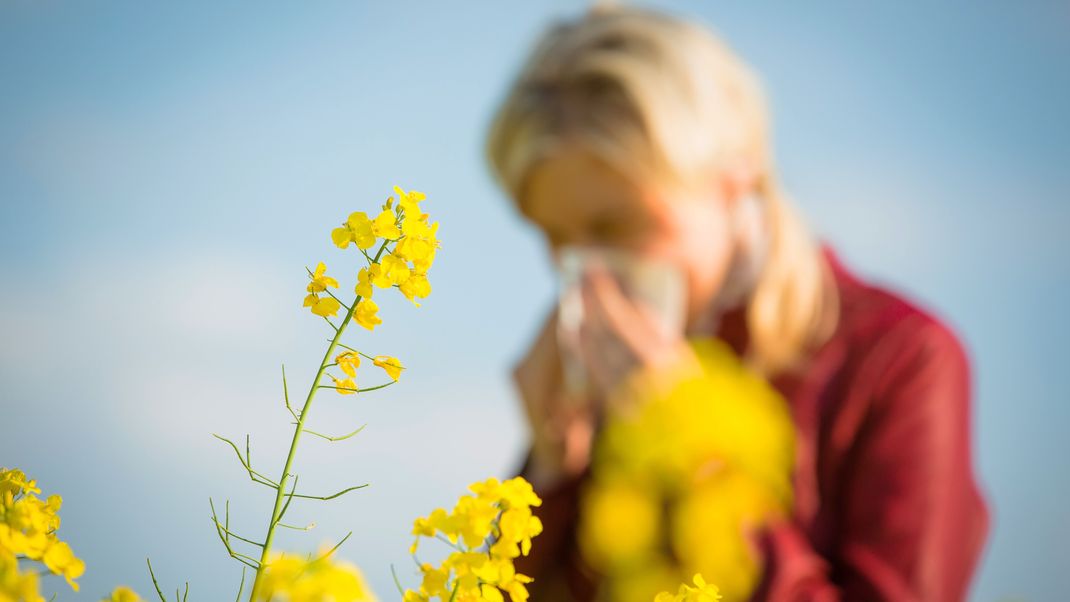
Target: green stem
[280,493]
[154,582]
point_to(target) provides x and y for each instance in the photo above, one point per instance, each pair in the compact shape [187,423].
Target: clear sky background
[167,171]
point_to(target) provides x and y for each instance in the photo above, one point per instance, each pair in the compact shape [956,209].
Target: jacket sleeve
[912,521]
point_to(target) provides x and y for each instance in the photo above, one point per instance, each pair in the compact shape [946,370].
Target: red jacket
[886,503]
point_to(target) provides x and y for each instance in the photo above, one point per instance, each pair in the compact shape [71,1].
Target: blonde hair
[665,99]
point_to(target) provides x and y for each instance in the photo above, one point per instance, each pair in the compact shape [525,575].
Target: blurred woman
[635,130]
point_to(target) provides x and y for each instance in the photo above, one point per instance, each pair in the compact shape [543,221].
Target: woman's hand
[562,428]
[619,338]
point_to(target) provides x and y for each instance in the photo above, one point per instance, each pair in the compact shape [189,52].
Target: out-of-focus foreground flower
[28,528]
[676,485]
[296,578]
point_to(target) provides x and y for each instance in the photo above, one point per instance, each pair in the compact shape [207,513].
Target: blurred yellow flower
[14,481]
[61,560]
[434,580]
[620,526]
[295,578]
[676,482]
[28,530]
[16,586]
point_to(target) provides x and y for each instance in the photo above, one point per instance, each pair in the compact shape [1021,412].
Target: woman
[632,129]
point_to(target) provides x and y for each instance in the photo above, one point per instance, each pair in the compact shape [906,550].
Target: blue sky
[166,172]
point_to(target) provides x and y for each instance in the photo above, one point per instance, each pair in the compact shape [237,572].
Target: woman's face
[577,199]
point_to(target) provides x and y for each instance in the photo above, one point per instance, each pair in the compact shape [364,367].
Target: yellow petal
[345,386]
[364,284]
[341,236]
[378,276]
[365,314]
[391,365]
[326,306]
[385,225]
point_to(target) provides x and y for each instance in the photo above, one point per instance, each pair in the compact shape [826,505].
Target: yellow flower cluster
[701,592]
[415,242]
[487,531]
[675,484]
[28,527]
[408,243]
[296,578]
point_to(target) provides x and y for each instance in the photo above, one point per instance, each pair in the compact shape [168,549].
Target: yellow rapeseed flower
[368,276]
[395,269]
[385,225]
[416,286]
[489,529]
[365,314]
[518,493]
[320,281]
[410,202]
[356,229]
[322,306]
[379,276]
[348,361]
[363,289]
[419,243]
[346,386]
[391,365]
[434,580]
